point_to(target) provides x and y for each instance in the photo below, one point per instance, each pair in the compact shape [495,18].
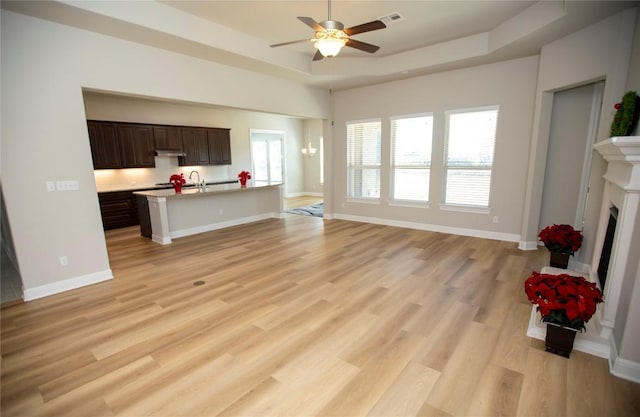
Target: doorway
[574,125]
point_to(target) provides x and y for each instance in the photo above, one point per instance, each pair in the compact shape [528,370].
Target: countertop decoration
[243,177]
[177,181]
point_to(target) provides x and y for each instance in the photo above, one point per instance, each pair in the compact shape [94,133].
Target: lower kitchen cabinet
[118,209]
[143,216]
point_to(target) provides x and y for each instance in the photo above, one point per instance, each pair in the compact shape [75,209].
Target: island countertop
[165,215]
[211,189]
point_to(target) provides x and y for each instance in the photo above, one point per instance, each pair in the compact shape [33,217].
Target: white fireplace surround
[614,332]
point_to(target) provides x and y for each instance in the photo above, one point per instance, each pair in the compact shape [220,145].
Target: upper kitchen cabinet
[120,145]
[136,143]
[219,146]
[167,138]
[196,145]
[105,145]
[205,146]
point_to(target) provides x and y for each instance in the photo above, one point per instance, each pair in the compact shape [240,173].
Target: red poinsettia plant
[176,179]
[563,299]
[244,176]
[562,238]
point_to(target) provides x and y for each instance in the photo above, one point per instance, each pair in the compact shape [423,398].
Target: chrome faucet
[198,174]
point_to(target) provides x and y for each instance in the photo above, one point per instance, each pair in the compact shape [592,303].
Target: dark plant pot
[559,340]
[559,260]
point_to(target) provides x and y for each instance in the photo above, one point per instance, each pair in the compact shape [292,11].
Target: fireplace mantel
[618,315]
[623,155]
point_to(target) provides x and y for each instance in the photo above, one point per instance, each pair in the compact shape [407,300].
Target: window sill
[409,204]
[363,200]
[465,209]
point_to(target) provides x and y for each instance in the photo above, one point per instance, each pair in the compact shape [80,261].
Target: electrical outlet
[221,211]
[64,261]
[495,219]
[51,186]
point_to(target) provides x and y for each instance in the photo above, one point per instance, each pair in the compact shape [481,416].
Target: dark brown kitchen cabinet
[167,138]
[195,144]
[205,146]
[219,146]
[132,145]
[121,145]
[118,209]
[143,215]
[105,145]
[136,144]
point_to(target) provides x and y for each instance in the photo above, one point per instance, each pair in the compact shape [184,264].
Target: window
[266,153]
[411,157]
[363,159]
[469,147]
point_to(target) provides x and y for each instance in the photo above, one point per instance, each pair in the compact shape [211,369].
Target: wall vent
[391,18]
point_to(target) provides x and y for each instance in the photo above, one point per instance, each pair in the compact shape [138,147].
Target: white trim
[528,245]
[484,234]
[364,200]
[465,209]
[592,132]
[66,285]
[409,204]
[215,226]
[621,367]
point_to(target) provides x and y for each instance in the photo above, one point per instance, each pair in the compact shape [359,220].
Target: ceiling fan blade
[365,27]
[318,56]
[311,23]
[363,46]
[289,43]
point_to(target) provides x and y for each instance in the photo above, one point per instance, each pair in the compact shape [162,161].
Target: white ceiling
[432,36]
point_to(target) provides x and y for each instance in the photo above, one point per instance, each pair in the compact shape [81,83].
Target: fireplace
[618,264]
[607,245]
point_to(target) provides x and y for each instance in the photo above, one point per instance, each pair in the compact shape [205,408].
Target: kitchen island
[166,215]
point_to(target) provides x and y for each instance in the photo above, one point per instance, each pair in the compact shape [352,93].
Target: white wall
[312,181]
[509,84]
[45,67]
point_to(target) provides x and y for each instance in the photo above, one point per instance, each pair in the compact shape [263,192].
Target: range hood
[166,152]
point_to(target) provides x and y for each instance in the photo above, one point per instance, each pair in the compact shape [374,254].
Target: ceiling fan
[331,35]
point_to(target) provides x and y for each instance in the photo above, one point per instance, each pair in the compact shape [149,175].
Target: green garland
[626,118]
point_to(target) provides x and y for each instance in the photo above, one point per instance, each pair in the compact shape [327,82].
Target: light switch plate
[69,185]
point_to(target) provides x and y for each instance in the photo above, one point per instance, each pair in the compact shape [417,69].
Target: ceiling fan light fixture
[330,42]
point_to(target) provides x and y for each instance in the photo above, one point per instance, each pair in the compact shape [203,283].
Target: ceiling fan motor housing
[332,24]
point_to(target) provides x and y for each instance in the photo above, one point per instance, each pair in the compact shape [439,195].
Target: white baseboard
[525,245]
[507,237]
[66,285]
[221,225]
[623,368]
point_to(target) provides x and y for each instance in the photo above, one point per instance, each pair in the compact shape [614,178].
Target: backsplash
[134,178]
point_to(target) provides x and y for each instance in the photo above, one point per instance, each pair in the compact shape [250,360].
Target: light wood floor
[301,201]
[299,317]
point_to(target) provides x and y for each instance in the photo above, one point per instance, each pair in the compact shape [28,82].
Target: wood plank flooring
[299,317]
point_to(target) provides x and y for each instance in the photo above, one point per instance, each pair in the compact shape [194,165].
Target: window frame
[482,167]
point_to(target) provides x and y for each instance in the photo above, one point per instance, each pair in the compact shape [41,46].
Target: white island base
[192,211]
